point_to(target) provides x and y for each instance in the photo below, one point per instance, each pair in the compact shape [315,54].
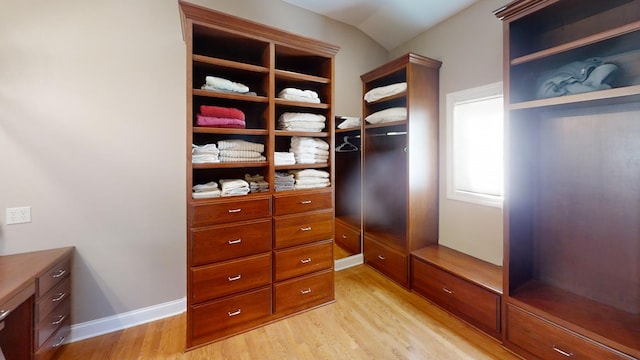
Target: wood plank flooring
[373,318]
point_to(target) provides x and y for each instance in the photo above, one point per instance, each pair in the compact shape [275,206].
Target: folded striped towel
[238,144]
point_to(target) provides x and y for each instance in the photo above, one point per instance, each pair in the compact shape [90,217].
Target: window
[475,145]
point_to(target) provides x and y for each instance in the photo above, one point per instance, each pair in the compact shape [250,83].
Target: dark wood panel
[390,262]
[303,292]
[230,210]
[301,260]
[300,229]
[297,203]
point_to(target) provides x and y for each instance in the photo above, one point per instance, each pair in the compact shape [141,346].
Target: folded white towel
[238,144]
[204,159]
[385,91]
[299,92]
[349,122]
[240,154]
[206,194]
[298,174]
[210,186]
[284,158]
[230,184]
[312,181]
[388,115]
[311,186]
[288,117]
[224,84]
[308,150]
[204,149]
[309,141]
[242,159]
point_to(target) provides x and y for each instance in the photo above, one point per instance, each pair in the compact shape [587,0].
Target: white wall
[469,45]
[92,135]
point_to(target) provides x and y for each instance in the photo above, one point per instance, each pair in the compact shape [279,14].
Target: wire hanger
[346,146]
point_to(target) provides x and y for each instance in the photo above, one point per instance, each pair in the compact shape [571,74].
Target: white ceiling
[389,22]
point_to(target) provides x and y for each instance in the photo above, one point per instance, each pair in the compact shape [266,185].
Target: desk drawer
[52,299]
[229,316]
[212,281]
[48,350]
[53,276]
[291,204]
[389,261]
[225,242]
[303,292]
[52,322]
[477,305]
[300,229]
[234,209]
[547,340]
[302,260]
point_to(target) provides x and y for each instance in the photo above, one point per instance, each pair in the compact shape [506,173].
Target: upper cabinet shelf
[231,96]
[293,76]
[229,64]
[623,94]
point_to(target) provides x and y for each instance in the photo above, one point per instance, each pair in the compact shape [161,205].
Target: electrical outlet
[18,215]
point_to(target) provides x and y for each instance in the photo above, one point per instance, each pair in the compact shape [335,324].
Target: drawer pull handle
[344,236]
[4,314]
[60,273]
[236,241]
[231,211]
[305,291]
[447,291]
[60,341]
[234,313]
[60,319]
[59,296]
[305,261]
[234,278]
[381,257]
[305,202]
[567,354]
[306,228]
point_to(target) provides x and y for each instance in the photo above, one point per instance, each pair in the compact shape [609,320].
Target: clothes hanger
[347,146]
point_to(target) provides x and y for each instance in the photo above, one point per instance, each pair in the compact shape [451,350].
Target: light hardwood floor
[373,318]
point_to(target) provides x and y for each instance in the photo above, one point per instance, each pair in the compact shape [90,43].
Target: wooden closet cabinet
[254,258]
[400,166]
[572,224]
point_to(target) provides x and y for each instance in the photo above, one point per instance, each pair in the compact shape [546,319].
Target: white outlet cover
[18,215]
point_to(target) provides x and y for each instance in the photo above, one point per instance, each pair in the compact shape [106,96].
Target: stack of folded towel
[382,92]
[234,187]
[206,191]
[308,150]
[283,181]
[236,150]
[301,122]
[299,95]
[310,179]
[388,115]
[220,117]
[283,158]
[347,122]
[257,183]
[215,83]
[202,154]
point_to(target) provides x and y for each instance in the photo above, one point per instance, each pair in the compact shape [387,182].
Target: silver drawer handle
[60,273]
[234,278]
[305,291]
[59,297]
[234,313]
[305,202]
[4,314]
[305,261]
[60,341]
[567,354]
[447,291]
[344,236]
[231,211]
[381,257]
[236,241]
[60,319]
[306,228]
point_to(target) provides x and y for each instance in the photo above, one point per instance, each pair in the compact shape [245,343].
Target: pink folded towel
[221,112]
[219,122]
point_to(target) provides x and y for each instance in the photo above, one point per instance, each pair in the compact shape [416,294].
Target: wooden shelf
[231,165]
[623,94]
[231,96]
[301,104]
[229,64]
[387,124]
[294,76]
[401,95]
[301,166]
[301,133]
[227,131]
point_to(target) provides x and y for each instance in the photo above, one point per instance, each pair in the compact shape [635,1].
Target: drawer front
[347,238]
[303,292]
[235,209]
[469,301]
[52,322]
[52,299]
[302,229]
[212,281]
[229,316]
[302,260]
[49,348]
[292,204]
[53,276]
[549,341]
[386,260]
[224,242]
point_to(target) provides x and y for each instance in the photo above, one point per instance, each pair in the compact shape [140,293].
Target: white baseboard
[348,262]
[117,322]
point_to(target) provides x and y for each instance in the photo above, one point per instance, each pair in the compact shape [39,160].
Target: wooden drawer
[347,237]
[228,316]
[293,230]
[52,299]
[292,204]
[234,209]
[221,279]
[52,276]
[225,242]
[302,260]
[473,303]
[389,261]
[48,350]
[547,340]
[303,292]
[52,322]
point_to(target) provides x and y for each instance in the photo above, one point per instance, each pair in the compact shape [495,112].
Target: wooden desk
[35,302]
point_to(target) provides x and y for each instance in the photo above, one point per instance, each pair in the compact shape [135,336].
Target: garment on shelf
[293,121]
[234,187]
[307,150]
[217,83]
[348,122]
[576,77]
[387,115]
[238,144]
[202,154]
[248,154]
[382,92]
[284,158]
[294,94]
[283,181]
[221,112]
[210,121]
[206,191]
[257,183]
[309,142]
[236,150]
[310,179]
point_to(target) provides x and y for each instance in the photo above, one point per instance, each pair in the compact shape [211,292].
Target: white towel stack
[257,183]
[348,122]
[310,179]
[299,95]
[293,121]
[201,154]
[236,150]
[234,187]
[284,158]
[219,84]
[308,150]
[283,181]
[206,191]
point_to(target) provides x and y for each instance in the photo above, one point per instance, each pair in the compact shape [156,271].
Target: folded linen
[210,186]
[288,117]
[298,174]
[206,149]
[225,84]
[242,159]
[387,115]
[309,141]
[382,92]
[311,186]
[308,150]
[248,154]
[238,144]
[299,92]
[204,159]
[206,194]
[349,122]
[311,181]
[283,158]
[221,112]
[219,122]
[256,177]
